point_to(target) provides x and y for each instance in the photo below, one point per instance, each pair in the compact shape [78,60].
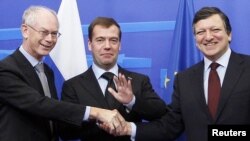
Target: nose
[208,35]
[49,38]
[107,44]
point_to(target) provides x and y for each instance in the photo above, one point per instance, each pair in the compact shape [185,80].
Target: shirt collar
[223,60]
[99,71]
[29,57]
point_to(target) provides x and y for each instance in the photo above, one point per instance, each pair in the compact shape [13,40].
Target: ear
[230,37]
[197,46]
[89,45]
[24,30]
[120,46]
[196,42]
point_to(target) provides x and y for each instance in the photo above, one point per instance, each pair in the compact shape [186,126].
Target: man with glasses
[45,33]
[28,99]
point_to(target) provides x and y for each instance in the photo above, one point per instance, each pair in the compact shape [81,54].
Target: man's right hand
[124,92]
[109,120]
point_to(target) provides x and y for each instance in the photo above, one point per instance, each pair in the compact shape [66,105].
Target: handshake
[111,121]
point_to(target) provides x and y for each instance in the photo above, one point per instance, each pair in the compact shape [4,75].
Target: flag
[69,53]
[183,50]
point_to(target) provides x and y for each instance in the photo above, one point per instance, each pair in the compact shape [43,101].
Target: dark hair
[206,12]
[103,21]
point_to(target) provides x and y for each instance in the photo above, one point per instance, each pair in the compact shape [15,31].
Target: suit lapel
[118,105]
[28,71]
[198,83]
[233,73]
[90,83]
[124,72]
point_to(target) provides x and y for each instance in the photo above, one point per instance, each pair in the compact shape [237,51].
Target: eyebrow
[43,28]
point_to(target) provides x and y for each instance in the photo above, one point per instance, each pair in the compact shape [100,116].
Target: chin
[44,53]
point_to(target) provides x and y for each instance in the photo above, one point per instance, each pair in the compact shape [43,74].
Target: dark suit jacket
[85,89]
[189,110]
[24,110]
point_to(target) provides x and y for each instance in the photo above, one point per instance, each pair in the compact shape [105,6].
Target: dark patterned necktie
[214,89]
[109,97]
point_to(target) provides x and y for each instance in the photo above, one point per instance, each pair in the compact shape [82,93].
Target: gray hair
[30,14]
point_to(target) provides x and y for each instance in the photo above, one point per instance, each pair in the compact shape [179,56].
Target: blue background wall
[147,27]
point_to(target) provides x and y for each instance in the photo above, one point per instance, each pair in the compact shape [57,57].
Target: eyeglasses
[45,33]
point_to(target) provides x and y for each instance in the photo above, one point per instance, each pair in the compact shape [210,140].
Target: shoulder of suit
[78,77]
[133,75]
[9,63]
[195,67]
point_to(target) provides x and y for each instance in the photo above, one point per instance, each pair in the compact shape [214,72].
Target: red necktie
[214,89]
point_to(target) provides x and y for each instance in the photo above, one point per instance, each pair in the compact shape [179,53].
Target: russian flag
[68,56]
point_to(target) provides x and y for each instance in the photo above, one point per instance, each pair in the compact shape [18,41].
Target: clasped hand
[115,124]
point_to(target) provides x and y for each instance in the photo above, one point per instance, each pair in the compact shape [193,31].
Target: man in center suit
[142,103]
[192,109]
[28,109]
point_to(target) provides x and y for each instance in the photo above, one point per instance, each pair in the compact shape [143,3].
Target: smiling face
[105,45]
[211,37]
[35,43]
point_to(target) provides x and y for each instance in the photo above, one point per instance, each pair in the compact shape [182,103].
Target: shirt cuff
[131,103]
[133,131]
[86,114]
